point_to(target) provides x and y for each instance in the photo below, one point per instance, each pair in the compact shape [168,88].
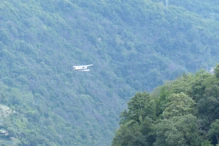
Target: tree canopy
[179,117]
[135,46]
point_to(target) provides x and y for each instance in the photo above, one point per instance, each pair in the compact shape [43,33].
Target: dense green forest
[135,45]
[181,112]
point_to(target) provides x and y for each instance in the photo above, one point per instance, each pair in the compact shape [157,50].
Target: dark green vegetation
[181,112]
[135,45]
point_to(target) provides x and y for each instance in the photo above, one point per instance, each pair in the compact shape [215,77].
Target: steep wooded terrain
[183,112]
[135,45]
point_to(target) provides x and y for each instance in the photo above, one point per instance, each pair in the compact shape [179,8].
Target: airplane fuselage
[82,67]
[79,67]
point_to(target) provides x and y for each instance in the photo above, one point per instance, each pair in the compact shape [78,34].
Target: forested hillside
[181,112]
[135,45]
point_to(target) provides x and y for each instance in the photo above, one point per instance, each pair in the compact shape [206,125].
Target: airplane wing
[89,65]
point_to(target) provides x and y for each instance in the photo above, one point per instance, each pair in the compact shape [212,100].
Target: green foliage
[214,130]
[179,130]
[216,71]
[136,123]
[186,113]
[178,105]
[138,108]
[135,45]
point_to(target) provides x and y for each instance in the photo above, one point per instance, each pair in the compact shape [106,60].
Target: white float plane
[82,67]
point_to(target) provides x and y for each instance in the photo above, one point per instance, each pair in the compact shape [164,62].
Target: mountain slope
[134,46]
